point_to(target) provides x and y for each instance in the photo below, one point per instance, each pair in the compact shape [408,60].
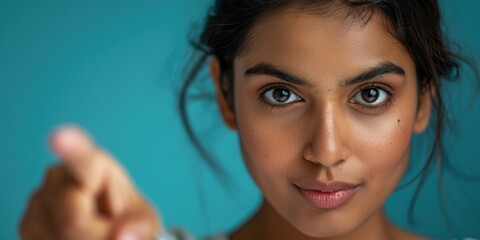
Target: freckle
[329,90]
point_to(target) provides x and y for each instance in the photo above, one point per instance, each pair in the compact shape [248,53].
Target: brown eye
[280,95]
[371,96]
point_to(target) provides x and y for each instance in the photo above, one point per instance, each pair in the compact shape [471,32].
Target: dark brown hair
[416,24]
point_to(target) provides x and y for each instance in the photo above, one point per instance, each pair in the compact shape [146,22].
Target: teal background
[114,67]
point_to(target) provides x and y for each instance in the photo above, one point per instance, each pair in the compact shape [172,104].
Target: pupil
[370,95]
[281,95]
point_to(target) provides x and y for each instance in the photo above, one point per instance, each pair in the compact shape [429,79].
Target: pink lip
[327,195]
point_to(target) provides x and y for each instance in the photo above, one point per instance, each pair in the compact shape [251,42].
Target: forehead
[328,44]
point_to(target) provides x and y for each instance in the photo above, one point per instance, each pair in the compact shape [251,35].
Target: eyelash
[370,109]
[275,107]
[383,107]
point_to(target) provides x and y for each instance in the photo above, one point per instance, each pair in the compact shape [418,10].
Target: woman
[325,96]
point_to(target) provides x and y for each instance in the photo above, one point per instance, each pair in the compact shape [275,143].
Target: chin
[321,232]
[324,229]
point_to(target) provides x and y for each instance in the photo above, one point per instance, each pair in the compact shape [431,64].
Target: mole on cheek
[398,120]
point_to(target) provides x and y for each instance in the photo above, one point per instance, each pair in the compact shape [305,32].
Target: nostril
[339,162]
[325,157]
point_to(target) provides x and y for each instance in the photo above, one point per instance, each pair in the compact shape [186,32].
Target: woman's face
[325,109]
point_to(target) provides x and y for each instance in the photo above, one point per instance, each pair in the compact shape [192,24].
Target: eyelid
[273,106]
[375,109]
[371,85]
[267,87]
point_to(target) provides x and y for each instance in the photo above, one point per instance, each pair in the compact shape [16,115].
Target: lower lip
[328,199]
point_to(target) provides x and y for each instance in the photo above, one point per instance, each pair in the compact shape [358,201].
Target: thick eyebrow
[271,70]
[383,68]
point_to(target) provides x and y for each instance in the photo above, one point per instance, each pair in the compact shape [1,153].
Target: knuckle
[54,175]
[24,233]
[75,225]
[27,230]
[102,156]
[32,224]
[52,192]
[35,197]
[23,228]
[74,213]
[33,207]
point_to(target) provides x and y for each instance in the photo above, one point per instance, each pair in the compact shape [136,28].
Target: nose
[328,144]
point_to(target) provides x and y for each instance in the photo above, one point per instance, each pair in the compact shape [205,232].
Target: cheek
[270,144]
[259,155]
[264,146]
[383,150]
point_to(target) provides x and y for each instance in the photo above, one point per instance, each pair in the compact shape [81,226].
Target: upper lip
[325,186]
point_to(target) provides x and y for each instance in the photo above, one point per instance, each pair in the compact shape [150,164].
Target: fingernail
[65,140]
[68,137]
[129,236]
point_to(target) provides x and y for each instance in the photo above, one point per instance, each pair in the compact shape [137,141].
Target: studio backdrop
[115,68]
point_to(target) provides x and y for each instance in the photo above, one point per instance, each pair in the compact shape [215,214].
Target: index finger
[82,158]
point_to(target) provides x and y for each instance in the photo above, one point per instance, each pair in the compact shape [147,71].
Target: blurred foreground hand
[87,195]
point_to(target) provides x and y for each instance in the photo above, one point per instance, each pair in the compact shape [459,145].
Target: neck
[268,224]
